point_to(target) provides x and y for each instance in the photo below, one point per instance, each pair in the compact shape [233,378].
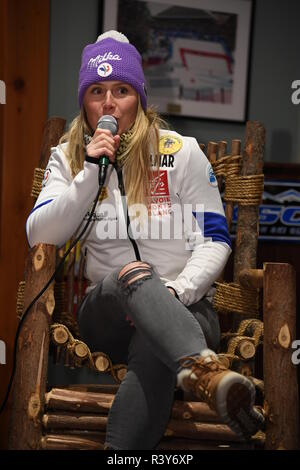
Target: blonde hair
[135,159]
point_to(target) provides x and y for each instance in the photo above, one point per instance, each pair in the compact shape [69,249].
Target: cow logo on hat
[104,70]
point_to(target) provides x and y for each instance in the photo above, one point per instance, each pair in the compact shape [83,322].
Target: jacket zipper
[122,190]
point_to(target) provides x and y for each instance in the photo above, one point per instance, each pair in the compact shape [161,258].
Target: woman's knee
[135,272]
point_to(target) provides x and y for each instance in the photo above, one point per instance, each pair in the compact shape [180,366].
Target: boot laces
[205,370]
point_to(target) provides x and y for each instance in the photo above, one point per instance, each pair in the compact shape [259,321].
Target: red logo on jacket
[160,202]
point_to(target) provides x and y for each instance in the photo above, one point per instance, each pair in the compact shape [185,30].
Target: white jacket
[185,237]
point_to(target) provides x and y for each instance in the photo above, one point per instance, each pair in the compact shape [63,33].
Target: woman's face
[115,98]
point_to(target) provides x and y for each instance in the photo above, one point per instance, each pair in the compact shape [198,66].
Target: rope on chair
[38,176]
[251,327]
[244,190]
[20,299]
[232,298]
[243,343]
[255,328]
[227,166]
[243,346]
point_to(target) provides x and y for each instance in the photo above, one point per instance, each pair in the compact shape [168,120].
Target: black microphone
[110,123]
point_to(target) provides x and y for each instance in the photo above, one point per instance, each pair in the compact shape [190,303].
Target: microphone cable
[58,268]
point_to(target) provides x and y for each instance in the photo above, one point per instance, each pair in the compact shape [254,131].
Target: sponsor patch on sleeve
[46,177]
[159,201]
[169,144]
[210,175]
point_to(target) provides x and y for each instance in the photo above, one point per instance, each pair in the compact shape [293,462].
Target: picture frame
[195,53]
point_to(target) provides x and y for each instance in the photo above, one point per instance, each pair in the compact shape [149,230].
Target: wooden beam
[251,278]
[69,442]
[280,374]
[52,132]
[247,225]
[235,150]
[32,352]
[100,403]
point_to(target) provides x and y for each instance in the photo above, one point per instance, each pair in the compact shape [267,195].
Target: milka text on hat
[95,61]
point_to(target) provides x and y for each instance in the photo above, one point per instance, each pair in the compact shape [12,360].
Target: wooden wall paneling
[24,35]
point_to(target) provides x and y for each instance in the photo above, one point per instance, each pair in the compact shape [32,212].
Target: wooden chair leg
[280,375]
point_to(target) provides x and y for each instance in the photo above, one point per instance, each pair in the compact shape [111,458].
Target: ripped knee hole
[141,271]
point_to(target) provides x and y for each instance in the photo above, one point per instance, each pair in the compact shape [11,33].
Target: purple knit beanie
[111,58]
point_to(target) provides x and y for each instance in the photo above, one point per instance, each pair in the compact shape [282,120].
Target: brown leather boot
[228,393]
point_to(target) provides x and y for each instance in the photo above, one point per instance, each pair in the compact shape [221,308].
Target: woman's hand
[172,291]
[103,143]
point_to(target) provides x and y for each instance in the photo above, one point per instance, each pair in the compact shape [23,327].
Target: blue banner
[279,213]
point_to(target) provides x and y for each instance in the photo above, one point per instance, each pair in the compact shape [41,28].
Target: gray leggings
[164,331]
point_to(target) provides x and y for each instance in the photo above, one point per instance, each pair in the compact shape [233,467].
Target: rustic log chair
[256,341]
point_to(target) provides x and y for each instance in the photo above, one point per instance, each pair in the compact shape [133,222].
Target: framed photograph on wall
[195,53]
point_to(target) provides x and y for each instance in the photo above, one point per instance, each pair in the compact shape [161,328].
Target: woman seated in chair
[157,242]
